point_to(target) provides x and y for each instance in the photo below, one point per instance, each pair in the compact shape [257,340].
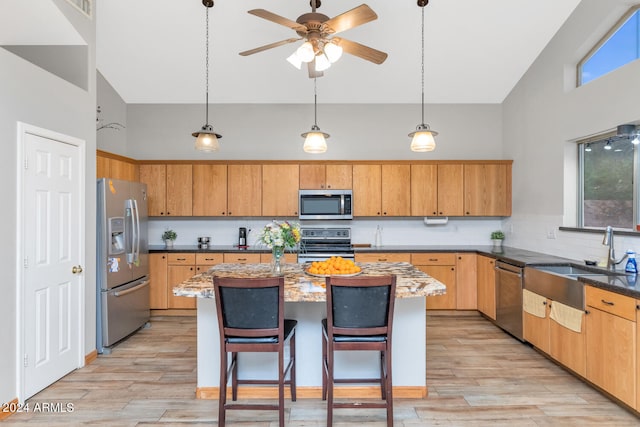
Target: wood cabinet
[383,257]
[487,189]
[169,189]
[437,190]
[209,190]
[611,343]
[180,267]
[158,277]
[116,167]
[466,281]
[329,176]
[244,190]
[536,329]
[280,184]
[568,347]
[242,258]
[442,267]
[487,286]
[382,190]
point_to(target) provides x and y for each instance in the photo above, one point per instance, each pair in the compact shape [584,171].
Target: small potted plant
[497,237]
[169,236]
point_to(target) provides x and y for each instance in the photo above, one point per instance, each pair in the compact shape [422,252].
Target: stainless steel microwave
[326,204]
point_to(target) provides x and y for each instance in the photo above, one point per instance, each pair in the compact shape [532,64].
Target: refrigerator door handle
[132,290]
[136,236]
[130,230]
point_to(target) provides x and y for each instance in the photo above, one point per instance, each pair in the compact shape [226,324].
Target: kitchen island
[305,301]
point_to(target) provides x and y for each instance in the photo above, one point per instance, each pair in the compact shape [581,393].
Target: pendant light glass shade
[315,141]
[423,139]
[206,138]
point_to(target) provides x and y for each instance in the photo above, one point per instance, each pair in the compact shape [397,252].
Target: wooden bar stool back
[359,317]
[251,319]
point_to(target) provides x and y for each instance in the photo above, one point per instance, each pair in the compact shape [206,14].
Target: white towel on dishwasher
[534,304]
[569,317]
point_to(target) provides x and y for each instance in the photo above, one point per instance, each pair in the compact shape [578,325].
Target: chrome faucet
[611,256]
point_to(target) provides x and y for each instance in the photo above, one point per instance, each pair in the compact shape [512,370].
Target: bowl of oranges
[334,266]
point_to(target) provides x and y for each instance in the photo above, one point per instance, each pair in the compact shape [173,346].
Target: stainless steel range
[319,244]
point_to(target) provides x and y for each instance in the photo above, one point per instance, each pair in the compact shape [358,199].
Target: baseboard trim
[354,392]
[89,358]
[173,312]
[7,411]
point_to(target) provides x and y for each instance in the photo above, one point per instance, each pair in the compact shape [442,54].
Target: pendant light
[206,138]
[423,137]
[315,140]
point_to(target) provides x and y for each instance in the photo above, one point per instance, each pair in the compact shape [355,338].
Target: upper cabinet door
[396,190]
[179,190]
[424,190]
[155,176]
[487,190]
[367,190]
[244,186]
[450,190]
[280,190]
[312,177]
[209,190]
[339,177]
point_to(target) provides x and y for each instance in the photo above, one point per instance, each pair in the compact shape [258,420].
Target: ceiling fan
[321,47]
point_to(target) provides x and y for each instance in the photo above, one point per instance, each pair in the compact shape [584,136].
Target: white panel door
[52,280]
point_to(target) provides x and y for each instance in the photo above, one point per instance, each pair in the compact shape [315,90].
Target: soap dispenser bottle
[631,267]
[378,238]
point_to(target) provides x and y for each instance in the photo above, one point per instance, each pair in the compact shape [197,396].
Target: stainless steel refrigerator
[122,261]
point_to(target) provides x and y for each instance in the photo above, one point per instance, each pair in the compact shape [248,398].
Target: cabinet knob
[468,213]
[440,213]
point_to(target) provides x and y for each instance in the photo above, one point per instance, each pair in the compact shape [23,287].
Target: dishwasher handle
[508,268]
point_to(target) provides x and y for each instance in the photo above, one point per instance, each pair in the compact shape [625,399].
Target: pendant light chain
[422,66]
[207,69]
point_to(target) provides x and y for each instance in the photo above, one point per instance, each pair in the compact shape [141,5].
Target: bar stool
[359,317]
[251,319]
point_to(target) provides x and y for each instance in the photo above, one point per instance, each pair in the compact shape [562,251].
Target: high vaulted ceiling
[152,51]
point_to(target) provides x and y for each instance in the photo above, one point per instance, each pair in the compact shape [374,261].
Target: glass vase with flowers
[278,236]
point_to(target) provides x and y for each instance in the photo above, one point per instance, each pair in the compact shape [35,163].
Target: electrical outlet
[551,233]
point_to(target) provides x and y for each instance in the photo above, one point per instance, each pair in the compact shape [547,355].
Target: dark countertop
[623,284]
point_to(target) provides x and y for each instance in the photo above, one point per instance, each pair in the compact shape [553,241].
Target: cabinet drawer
[209,259]
[433,259]
[252,258]
[611,302]
[383,257]
[181,259]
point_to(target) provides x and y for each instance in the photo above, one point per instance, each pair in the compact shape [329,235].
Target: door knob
[77,269]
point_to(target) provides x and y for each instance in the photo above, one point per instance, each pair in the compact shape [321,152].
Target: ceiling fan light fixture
[333,51]
[295,60]
[636,140]
[322,62]
[306,52]
[207,139]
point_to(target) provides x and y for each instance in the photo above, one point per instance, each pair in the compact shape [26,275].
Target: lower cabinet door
[176,275]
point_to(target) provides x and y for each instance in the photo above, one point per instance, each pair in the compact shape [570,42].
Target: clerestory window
[620,46]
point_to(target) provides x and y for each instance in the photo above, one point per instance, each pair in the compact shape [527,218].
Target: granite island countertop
[302,287]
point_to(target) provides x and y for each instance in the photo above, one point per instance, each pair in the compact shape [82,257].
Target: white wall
[32,95]
[544,112]
[272,131]
[113,109]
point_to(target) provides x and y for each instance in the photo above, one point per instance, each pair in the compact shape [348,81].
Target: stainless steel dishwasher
[509,298]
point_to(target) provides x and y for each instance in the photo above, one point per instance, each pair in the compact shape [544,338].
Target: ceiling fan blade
[268,46]
[361,51]
[311,66]
[269,16]
[350,19]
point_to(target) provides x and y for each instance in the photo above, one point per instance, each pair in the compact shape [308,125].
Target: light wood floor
[477,376]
